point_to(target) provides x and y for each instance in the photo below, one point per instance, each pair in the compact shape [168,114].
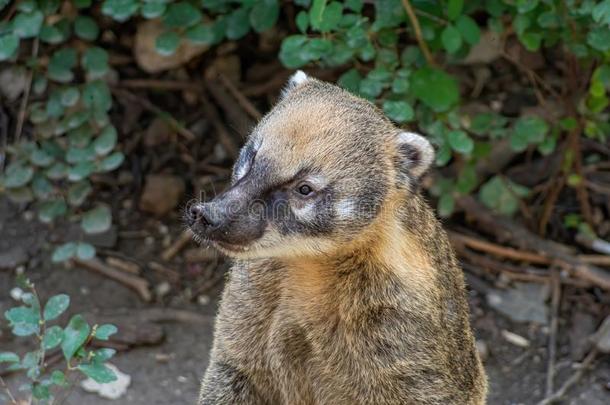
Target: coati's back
[345,288]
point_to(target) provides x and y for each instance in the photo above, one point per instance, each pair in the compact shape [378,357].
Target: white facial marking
[345,209]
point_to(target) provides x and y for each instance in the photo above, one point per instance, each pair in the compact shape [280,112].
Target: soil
[169,372]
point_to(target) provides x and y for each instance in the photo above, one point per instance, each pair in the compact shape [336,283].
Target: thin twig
[177,246]
[26,94]
[498,250]
[586,363]
[418,34]
[241,99]
[8,391]
[186,133]
[138,284]
[556,300]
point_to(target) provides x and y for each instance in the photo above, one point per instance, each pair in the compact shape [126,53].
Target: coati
[344,288]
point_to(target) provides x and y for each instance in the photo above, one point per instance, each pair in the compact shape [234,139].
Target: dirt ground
[169,372]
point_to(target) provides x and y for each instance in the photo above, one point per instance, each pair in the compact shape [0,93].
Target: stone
[12,82]
[525,302]
[158,132]
[112,390]
[147,57]
[162,193]
[13,257]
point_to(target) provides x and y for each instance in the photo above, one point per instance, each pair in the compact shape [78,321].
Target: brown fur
[371,313]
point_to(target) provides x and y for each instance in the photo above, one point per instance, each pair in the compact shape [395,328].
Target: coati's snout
[232,220]
[314,173]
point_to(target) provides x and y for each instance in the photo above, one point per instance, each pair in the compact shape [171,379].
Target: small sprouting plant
[49,384]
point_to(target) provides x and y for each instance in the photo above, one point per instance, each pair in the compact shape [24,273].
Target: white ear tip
[298,78]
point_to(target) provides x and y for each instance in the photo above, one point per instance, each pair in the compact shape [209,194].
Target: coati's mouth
[230,247]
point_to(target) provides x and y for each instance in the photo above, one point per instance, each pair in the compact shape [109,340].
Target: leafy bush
[31,319]
[391,52]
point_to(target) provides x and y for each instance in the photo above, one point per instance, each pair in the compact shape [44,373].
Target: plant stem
[26,95]
[8,391]
[418,35]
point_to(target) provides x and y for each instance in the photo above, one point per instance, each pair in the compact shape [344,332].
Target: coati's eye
[305,189]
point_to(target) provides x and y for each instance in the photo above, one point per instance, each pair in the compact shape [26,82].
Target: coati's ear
[294,81]
[415,155]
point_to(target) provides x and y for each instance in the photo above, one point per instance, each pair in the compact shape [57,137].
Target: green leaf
[75,335]
[56,306]
[85,251]
[105,331]
[57,171]
[291,51]
[41,187]
[331,17]
[399,111]
[49,210]
[52,337]
[61,64]
[350,80]
[78,192]
[17,175]
[120,10]
[58,378]
[96,96]
[104,354]
[525,6]
[97,220]
[601,12]
[9,43]
[54,34]
[502,195]
[64,252]
[181,15]
[167,43]
[111,162]
[354,5]
[24,321]
[531,41]
[315,13]
[98,372]
[370,88]
[454,8]
[86,28]
[153,9]
[95,62]
[435,88]
[302,21]
[264,15]
[451,38]
[80,171]
[469,29]
[69,96]
[8,357]
[202,34]
[238,24]
[446,205]
[40,392]
[460,142]
[528,130]
[599,38]
[27,25]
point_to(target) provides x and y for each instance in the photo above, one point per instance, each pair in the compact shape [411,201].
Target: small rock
[203,299]
[16,293]
[12,82]
[488,49]
[112,390]
[150,60]
[161,193]
[12,258]
[515,339]
[105,239]
[602,336]
[525,302]
[162,289]
[163,357]
[158,132]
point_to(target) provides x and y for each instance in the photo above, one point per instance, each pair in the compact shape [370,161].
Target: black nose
[196,214]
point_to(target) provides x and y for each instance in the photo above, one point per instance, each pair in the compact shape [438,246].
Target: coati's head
[312,176]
